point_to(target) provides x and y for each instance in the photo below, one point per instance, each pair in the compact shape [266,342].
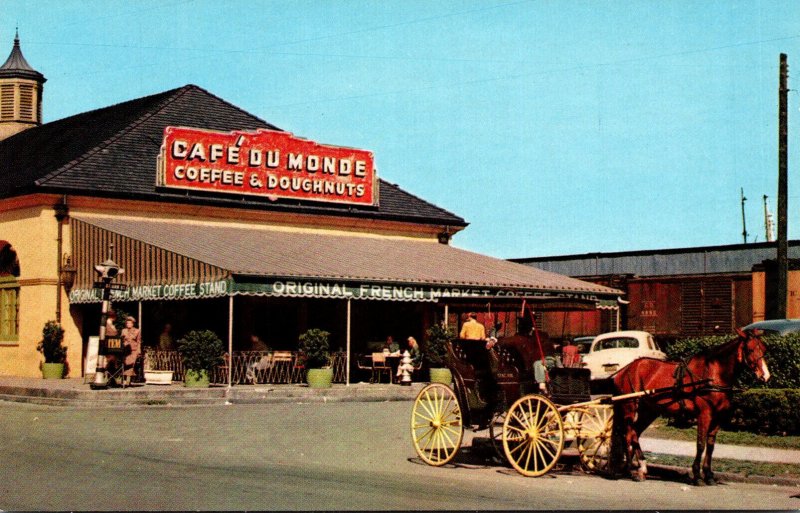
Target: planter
[154,377]
[319,378]
[52,370]
[441,375]
[196,379]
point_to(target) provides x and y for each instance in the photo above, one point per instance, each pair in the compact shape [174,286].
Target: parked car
[612,351]
[775,326]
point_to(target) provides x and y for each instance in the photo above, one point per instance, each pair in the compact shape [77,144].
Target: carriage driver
[473,330]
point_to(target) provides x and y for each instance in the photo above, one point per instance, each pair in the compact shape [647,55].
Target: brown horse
[700,387]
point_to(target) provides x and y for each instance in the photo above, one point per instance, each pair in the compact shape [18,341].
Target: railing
[249,367]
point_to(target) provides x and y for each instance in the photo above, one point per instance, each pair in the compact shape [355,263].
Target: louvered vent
[7,101]
[26,108]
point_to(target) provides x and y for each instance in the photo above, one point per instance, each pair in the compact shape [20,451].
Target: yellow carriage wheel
[533,435]
[594,437]
[436,425]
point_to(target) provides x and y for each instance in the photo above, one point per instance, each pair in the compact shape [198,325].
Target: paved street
[290,456]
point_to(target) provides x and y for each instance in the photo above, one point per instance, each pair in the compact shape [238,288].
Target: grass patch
[660,429]
[746,468]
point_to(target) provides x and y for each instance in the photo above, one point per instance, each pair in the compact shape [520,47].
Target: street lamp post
[107,271]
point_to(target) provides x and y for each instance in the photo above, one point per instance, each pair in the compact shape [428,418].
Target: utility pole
[744,223]
[783,246]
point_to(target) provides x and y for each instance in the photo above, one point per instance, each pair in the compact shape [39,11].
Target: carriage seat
[569,385]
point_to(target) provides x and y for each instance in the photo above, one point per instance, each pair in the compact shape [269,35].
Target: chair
[379,366]
[299,369]
[364,363]
[281,370]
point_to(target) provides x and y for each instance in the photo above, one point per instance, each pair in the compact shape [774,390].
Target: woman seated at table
[416,356]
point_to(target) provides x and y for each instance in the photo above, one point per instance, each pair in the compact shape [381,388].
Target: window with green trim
[9,309]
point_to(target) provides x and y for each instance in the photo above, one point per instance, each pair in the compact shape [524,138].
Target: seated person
[415,355]
[391,346]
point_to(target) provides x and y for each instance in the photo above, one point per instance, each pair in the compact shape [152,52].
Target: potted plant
[314,348]
[435,352]
[153,375]
[201,352]
[54,353]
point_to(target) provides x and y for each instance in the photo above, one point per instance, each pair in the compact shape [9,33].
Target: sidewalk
[733,452]
[74,392]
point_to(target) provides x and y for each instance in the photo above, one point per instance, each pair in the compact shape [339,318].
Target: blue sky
[553,127]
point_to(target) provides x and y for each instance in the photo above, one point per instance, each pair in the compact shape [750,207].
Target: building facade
[223,221]
[675,293]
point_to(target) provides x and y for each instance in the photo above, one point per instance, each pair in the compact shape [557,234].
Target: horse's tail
[617,458]
[617,462]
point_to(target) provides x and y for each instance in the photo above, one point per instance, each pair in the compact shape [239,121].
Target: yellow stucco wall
[33,233]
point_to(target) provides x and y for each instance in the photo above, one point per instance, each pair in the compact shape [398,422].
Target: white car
[612,351]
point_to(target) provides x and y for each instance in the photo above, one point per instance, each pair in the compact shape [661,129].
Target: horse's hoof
[710,481]
[638,477]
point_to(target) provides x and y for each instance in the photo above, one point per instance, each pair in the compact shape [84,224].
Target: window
[9,309]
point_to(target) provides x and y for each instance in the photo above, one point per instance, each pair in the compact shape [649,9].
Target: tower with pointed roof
[20,94]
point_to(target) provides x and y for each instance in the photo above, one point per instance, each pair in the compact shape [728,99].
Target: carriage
[496,389]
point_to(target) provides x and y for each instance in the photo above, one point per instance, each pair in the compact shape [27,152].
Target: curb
[178,396]
[673,473]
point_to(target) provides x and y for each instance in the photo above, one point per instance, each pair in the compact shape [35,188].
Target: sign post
[108,270]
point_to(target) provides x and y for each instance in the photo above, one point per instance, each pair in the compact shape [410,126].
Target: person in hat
[132,341]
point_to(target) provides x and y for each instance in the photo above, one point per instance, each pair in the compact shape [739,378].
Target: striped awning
[179,259]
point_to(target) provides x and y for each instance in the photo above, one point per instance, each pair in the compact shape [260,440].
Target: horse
[700,387]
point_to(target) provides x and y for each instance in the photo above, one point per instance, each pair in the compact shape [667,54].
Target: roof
[112,152]
[269,253]
[734,258]
[777,326]
[17,67]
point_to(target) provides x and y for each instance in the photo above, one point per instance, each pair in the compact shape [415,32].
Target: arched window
[9,294]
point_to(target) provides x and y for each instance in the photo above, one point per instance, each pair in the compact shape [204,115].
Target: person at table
[165,341]
[256,344]
[391,346]
[132,341]
[414,354]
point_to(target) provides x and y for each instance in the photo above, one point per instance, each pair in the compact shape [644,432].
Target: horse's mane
[720,349]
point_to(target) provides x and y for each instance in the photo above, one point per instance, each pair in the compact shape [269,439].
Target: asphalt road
[291,456]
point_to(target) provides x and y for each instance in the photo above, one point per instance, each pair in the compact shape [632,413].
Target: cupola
[20,94]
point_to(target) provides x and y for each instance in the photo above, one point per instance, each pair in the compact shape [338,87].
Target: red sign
[266,163]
